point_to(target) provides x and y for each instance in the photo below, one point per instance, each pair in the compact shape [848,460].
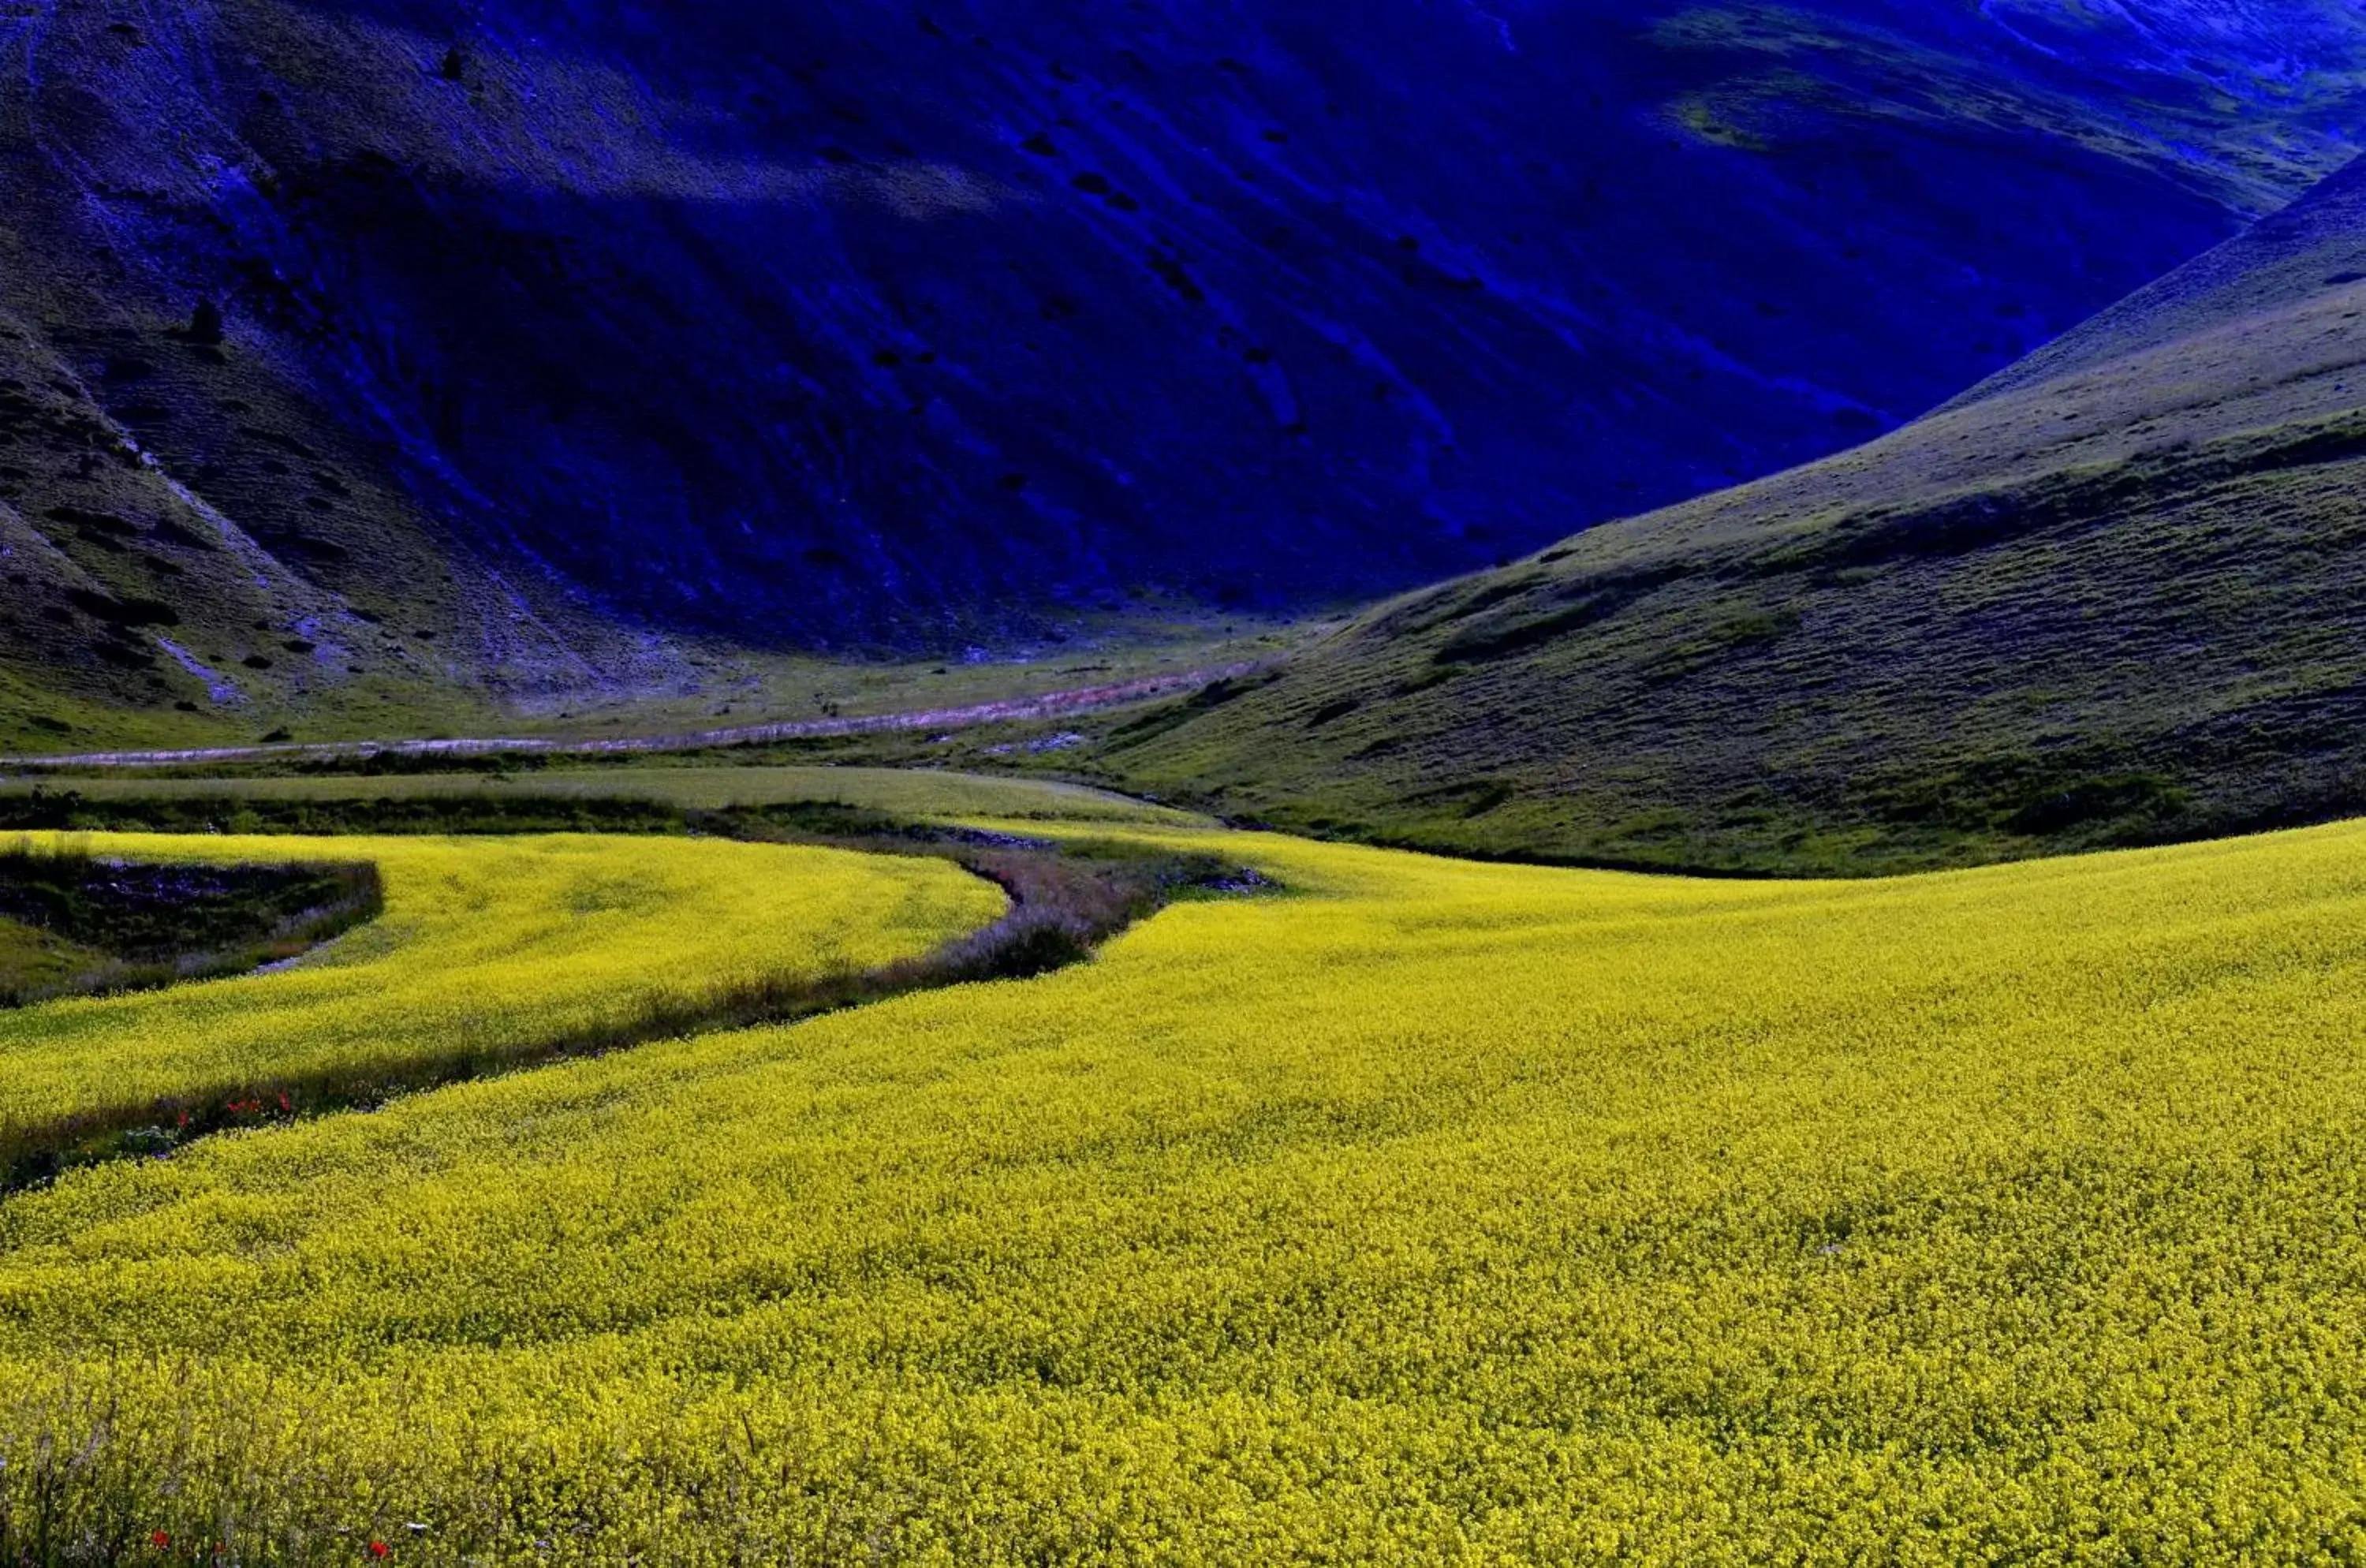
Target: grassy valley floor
[908,792]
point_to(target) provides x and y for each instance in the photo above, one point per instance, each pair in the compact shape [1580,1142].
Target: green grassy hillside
[2109,597]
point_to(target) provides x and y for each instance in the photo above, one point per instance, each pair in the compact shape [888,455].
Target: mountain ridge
[516,352]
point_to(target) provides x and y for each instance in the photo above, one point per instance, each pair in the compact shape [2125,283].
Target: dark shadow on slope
[861,327]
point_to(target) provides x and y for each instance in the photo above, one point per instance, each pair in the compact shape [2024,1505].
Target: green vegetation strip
[904,792]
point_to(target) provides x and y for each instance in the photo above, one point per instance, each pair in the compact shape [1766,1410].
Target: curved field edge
[1064,900]
[1440,1212]
[490,952]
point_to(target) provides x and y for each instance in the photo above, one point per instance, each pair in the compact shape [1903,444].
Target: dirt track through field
[1051,705]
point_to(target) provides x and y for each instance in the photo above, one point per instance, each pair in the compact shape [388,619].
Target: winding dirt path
[1051,705]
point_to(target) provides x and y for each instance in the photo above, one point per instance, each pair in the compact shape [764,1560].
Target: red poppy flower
[160,1541]
[377,1548]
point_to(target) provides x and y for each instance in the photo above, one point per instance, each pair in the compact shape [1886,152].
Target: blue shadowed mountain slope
[552,331]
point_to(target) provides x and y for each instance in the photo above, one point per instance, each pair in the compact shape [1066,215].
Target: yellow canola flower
[1428,1212]
[486,945]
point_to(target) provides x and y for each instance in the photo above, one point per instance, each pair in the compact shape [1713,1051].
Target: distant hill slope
[2112,595]
[386,342]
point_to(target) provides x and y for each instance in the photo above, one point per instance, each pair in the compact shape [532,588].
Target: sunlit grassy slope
[905,792]
[1436,1213]
[485,949]
[2109,597]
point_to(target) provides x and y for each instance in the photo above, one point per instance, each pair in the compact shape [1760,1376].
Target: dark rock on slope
[412,340]
[2113,596]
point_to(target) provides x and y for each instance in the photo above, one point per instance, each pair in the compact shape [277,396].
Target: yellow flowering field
[1430,1213]
[484,946]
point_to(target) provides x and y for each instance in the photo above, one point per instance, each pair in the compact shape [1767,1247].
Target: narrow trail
[1051,705]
